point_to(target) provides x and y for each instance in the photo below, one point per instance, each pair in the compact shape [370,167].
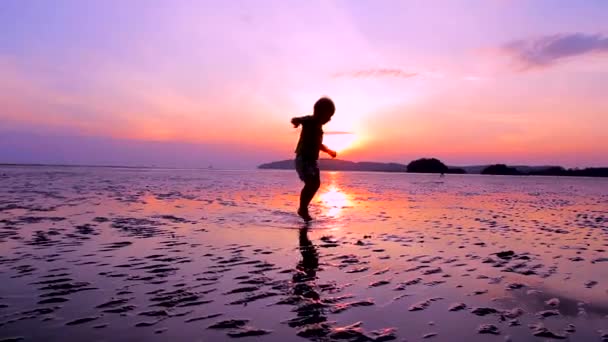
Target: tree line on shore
[433,165]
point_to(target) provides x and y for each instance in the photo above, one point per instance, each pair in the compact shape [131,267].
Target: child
[307,151]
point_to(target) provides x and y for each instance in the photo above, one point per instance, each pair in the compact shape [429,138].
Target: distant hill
[345,165]
[433,165]
[501,169]
[339,165]
[427,165]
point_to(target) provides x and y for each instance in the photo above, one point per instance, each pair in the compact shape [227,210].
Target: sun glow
[339,142]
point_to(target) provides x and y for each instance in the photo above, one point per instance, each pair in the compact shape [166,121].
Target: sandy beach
[110,254]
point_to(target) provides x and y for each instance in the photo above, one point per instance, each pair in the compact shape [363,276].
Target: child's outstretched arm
[297,121]
[329,151]
[301,120]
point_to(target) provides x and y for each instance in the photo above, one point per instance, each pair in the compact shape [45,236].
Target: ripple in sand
[13,339]
[407,283]
[357,270]
[383,271]
[432,271]
[147,324]
[338,308]
[379,283]
[507,255]
[137,227]
[64,289]
[53,281]
[314,331]
[457,307]
[82,320]
[513,313]
[253,298]
[484,311]
[488,329]
[547,313]
[108,247]
[310,323]
[515,286]
[248,331]
[121,309]
[178,298]
[423,305]
[333,300]
[154,313]
[479,292]
[591,284]
[416,268]
[113,303]
[53,300]
[40,311]
[201,318]
[256,281]
[350,332]
[243,289]
[553,302]
[539,330]
[229,324]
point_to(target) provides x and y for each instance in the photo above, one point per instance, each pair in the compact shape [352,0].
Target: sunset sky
[193,82]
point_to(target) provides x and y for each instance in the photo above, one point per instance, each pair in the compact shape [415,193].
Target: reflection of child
[307,151]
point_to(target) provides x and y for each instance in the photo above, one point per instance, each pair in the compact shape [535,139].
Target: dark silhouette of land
[434,165]
[500,169]
[340,165]
[431,165]
[560,171]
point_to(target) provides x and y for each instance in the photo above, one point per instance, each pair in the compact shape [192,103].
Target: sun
[339,142]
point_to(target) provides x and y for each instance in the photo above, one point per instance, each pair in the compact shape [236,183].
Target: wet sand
[130,254]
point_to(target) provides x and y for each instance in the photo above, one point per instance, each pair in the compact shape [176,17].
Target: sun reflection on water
[333,198]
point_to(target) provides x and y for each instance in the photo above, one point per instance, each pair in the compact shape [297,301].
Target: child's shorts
[307,169]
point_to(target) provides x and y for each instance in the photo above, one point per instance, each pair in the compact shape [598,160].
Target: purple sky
[193,83]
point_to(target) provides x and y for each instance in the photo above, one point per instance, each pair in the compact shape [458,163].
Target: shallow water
[150,254]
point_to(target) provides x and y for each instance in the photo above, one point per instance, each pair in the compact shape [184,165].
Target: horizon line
[257,167]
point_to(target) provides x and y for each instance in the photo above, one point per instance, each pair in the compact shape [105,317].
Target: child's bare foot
[304,215]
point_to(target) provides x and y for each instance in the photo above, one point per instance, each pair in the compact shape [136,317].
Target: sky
[192,83]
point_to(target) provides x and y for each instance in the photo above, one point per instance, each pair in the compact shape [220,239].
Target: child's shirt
[311,138]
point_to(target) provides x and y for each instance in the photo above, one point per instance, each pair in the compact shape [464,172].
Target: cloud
[548,50]
[370,73]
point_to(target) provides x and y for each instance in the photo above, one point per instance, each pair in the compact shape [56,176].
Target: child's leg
[308,171]
[309,190]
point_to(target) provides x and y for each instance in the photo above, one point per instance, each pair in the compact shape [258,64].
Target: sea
[150,254]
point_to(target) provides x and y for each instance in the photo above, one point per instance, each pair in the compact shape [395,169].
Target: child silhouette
[307,151]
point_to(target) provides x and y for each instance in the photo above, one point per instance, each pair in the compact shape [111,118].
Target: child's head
[324,109]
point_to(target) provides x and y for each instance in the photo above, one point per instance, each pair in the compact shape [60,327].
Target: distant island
[501,169]
[434,165]
[431,165]
[340,165]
